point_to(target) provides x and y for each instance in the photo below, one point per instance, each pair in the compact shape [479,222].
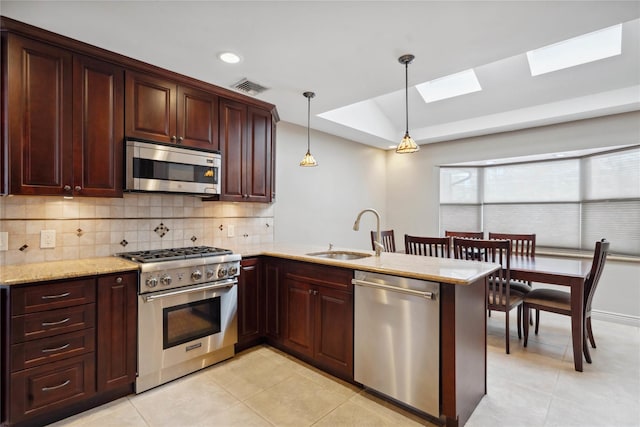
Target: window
[568,203]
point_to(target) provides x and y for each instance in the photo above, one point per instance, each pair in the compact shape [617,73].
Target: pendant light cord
[308,124]
[406,93]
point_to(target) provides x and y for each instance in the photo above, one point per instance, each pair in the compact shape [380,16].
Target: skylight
[575,51]
[449,86]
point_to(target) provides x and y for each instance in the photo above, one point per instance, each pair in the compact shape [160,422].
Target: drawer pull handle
[55,387]
[66,294]
[56,323]
[49,350]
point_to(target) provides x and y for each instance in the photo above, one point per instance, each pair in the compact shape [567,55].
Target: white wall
[319,205]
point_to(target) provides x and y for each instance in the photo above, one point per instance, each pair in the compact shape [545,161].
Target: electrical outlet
[231,230]
[47,239]
[4,241]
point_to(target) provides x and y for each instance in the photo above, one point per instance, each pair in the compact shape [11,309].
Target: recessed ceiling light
[449,86]
[575,51]
[229,57]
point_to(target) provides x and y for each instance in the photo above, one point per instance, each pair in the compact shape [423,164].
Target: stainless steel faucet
[377,243]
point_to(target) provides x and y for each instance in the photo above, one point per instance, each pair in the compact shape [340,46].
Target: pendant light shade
[407,145]
[308,159]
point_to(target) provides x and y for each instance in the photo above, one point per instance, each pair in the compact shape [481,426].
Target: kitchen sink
[342,255]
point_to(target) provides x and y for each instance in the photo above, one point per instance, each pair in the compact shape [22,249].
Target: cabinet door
[197,118]
[116,330]
[250,303]
[98,128]
[274,296]
[299,316]
[258,156]
[334,330]
[39,108]
[150,109]
[233,130]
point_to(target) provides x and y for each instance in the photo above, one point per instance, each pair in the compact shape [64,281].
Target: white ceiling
[347,52]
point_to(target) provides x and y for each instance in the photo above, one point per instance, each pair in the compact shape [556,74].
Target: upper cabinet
[64,121]
[164,111]
[246,144]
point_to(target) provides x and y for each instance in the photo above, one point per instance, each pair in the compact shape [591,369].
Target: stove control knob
[196,275]
[166,280]
[210,274]
[222,272]
[152,282]
[233,270]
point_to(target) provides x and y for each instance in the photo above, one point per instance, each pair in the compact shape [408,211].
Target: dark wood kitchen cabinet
[319,316]
[117,330]
[68,345]
[162,110]
[250,304]
[274,299]
[246,145]
[65,125]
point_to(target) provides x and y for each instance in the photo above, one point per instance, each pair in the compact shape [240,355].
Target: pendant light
[308,160]
[407,145]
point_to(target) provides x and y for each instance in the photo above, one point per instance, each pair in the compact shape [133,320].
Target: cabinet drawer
[38,352]
[31,299]
[47,387]
[48,323]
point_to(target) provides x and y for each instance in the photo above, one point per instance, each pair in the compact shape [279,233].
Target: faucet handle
[379,247]
[330,246]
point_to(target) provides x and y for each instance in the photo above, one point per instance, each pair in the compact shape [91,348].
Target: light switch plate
[47,239]
[4,241]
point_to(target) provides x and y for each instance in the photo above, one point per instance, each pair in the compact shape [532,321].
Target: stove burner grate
[157,255]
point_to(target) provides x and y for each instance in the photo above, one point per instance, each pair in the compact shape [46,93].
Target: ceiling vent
[249,87]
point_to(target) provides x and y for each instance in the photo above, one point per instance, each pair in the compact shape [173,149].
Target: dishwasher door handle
[422,294]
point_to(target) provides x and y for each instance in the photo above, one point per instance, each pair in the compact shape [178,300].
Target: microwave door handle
[222,284]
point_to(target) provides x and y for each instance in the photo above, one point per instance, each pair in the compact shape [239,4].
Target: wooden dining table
[569,272]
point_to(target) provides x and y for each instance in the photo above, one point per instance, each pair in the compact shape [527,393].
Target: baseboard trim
[624,319]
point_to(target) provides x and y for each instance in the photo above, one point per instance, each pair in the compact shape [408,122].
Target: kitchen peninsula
[289,299]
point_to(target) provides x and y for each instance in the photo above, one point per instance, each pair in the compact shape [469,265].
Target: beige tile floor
[536,386]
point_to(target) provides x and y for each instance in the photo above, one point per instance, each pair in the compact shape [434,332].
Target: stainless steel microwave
[170,169]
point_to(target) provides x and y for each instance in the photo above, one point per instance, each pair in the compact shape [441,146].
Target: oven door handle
[222,284]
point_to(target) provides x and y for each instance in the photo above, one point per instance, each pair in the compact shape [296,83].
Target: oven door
[182,330]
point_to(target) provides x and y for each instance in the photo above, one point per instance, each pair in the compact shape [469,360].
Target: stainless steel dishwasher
[397,338]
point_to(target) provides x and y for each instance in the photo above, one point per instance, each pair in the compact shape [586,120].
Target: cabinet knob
[67,188]
[181,139]
[119,280]
[173,138]
[78,188]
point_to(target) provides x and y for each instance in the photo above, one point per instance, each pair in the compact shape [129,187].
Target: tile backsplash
[88,227]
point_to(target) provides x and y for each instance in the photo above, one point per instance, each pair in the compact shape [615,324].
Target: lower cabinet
[250,304]
[71,345]
[117,330]
[318,316]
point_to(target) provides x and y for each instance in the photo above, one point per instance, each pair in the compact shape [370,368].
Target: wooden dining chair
[388,240]
[559,302]
[465,234]
[427,246]
[521,245]
[500,296]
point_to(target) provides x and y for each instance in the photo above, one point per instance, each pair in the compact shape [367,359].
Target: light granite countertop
[443,270]
[54,270]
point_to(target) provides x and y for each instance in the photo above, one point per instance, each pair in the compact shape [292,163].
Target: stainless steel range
[187,303]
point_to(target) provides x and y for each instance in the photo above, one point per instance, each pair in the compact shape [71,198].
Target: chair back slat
[599,258]
[427,246]
[388,240]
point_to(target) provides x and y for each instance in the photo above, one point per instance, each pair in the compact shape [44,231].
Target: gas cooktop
[159,255]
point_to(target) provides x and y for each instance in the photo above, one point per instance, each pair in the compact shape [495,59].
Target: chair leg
[506,327]
[585,347]
[590,332]
[531,320]
[519,311]
[525,323]
[537,320]
[489,312]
